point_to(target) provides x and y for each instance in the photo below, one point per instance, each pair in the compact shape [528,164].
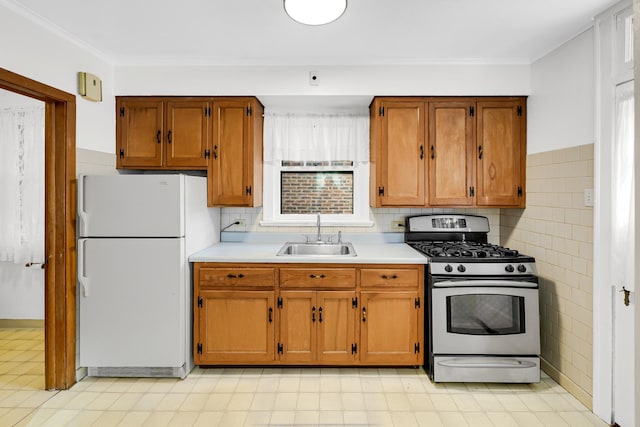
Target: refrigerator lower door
[134,315]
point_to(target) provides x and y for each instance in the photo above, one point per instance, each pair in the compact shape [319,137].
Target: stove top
[465,250]
[457,244]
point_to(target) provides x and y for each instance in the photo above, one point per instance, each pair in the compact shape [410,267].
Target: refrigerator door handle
[82,215]
[84,280]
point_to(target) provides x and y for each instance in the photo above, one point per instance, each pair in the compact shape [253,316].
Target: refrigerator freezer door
[131,205]
[133,308]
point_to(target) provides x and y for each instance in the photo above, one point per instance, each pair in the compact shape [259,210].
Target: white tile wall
[382,218]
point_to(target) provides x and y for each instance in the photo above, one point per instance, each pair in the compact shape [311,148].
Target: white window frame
[272,198]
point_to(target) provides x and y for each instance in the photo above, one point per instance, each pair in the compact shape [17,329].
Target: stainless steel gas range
[482,320]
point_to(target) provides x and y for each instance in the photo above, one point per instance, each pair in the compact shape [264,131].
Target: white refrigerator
[135,234]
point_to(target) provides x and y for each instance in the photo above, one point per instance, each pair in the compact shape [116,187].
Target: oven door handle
[479,283]
[485,364]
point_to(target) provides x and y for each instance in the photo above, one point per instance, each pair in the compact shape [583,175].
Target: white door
[132,302]
[131,206]
[623,260]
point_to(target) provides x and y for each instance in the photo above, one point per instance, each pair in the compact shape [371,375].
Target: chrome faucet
[318,225]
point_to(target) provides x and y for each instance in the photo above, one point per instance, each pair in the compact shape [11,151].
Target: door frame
[60,217]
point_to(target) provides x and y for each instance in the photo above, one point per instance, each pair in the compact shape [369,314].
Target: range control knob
[461,268]
[509,268]
[522,268]
[448,268]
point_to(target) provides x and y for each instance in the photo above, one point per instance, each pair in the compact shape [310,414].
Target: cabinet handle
[316,276]
[169,137]
[233,276]
[480,152]
[421,152]
[215,151]
[385,277]
[313,314]
[433,152]
[158,137]
[320,314]
[364,314]
[270,315]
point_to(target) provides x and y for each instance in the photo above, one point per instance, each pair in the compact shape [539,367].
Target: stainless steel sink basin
[317,249]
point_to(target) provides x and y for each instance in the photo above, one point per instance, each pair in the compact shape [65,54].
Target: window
[316,164]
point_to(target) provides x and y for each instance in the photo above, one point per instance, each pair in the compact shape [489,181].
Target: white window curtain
[316,137]
[622,212]
[22,184]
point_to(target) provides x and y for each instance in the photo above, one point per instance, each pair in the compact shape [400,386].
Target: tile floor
[274,397]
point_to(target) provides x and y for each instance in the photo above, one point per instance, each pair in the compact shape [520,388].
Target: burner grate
[457,249]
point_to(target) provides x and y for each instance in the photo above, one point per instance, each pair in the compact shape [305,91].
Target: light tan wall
[557,229]
[95,162]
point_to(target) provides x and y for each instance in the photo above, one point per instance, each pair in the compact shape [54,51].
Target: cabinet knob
[316,276]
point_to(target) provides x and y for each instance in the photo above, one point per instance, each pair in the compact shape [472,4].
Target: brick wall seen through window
[317,192]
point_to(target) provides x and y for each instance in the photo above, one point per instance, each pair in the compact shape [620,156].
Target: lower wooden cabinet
[313,314]
[317,327]
[389,329]
[234,327]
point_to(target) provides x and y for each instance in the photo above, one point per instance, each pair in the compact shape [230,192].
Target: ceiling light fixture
[315,12]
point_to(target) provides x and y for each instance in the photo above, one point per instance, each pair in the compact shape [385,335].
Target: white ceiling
[371,32]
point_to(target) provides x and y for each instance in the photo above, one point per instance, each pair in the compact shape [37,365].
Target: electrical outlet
[240,222]
[397,225]
[588,197]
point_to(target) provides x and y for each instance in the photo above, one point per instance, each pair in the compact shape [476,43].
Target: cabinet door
[187,133]
[232,165]
[389,328]
[336,320]
[234,327]
[500,152]
[401,154]
[139,133]
[450,153]
[298,318]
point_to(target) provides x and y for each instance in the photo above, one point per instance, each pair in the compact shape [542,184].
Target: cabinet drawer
[389,277]
[318,277]
[241,277]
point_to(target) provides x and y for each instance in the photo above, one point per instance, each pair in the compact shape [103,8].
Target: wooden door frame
[60,218]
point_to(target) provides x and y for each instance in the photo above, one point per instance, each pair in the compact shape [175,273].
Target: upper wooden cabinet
[235,170]
[448,151]
[397,152]
[451,148]
[501,153]
[163,132]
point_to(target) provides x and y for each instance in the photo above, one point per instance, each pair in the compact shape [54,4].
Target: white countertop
[369,250]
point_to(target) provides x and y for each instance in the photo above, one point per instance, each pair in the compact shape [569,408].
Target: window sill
[327,223]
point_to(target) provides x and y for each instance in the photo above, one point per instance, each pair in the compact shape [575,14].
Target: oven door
[485,317]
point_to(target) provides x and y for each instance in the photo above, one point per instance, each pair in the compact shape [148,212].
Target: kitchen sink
[316,249]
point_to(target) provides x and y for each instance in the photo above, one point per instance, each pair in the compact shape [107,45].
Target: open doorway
[59,242]
[21,242]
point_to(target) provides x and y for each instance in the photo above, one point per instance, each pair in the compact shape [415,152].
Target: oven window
[485,314]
